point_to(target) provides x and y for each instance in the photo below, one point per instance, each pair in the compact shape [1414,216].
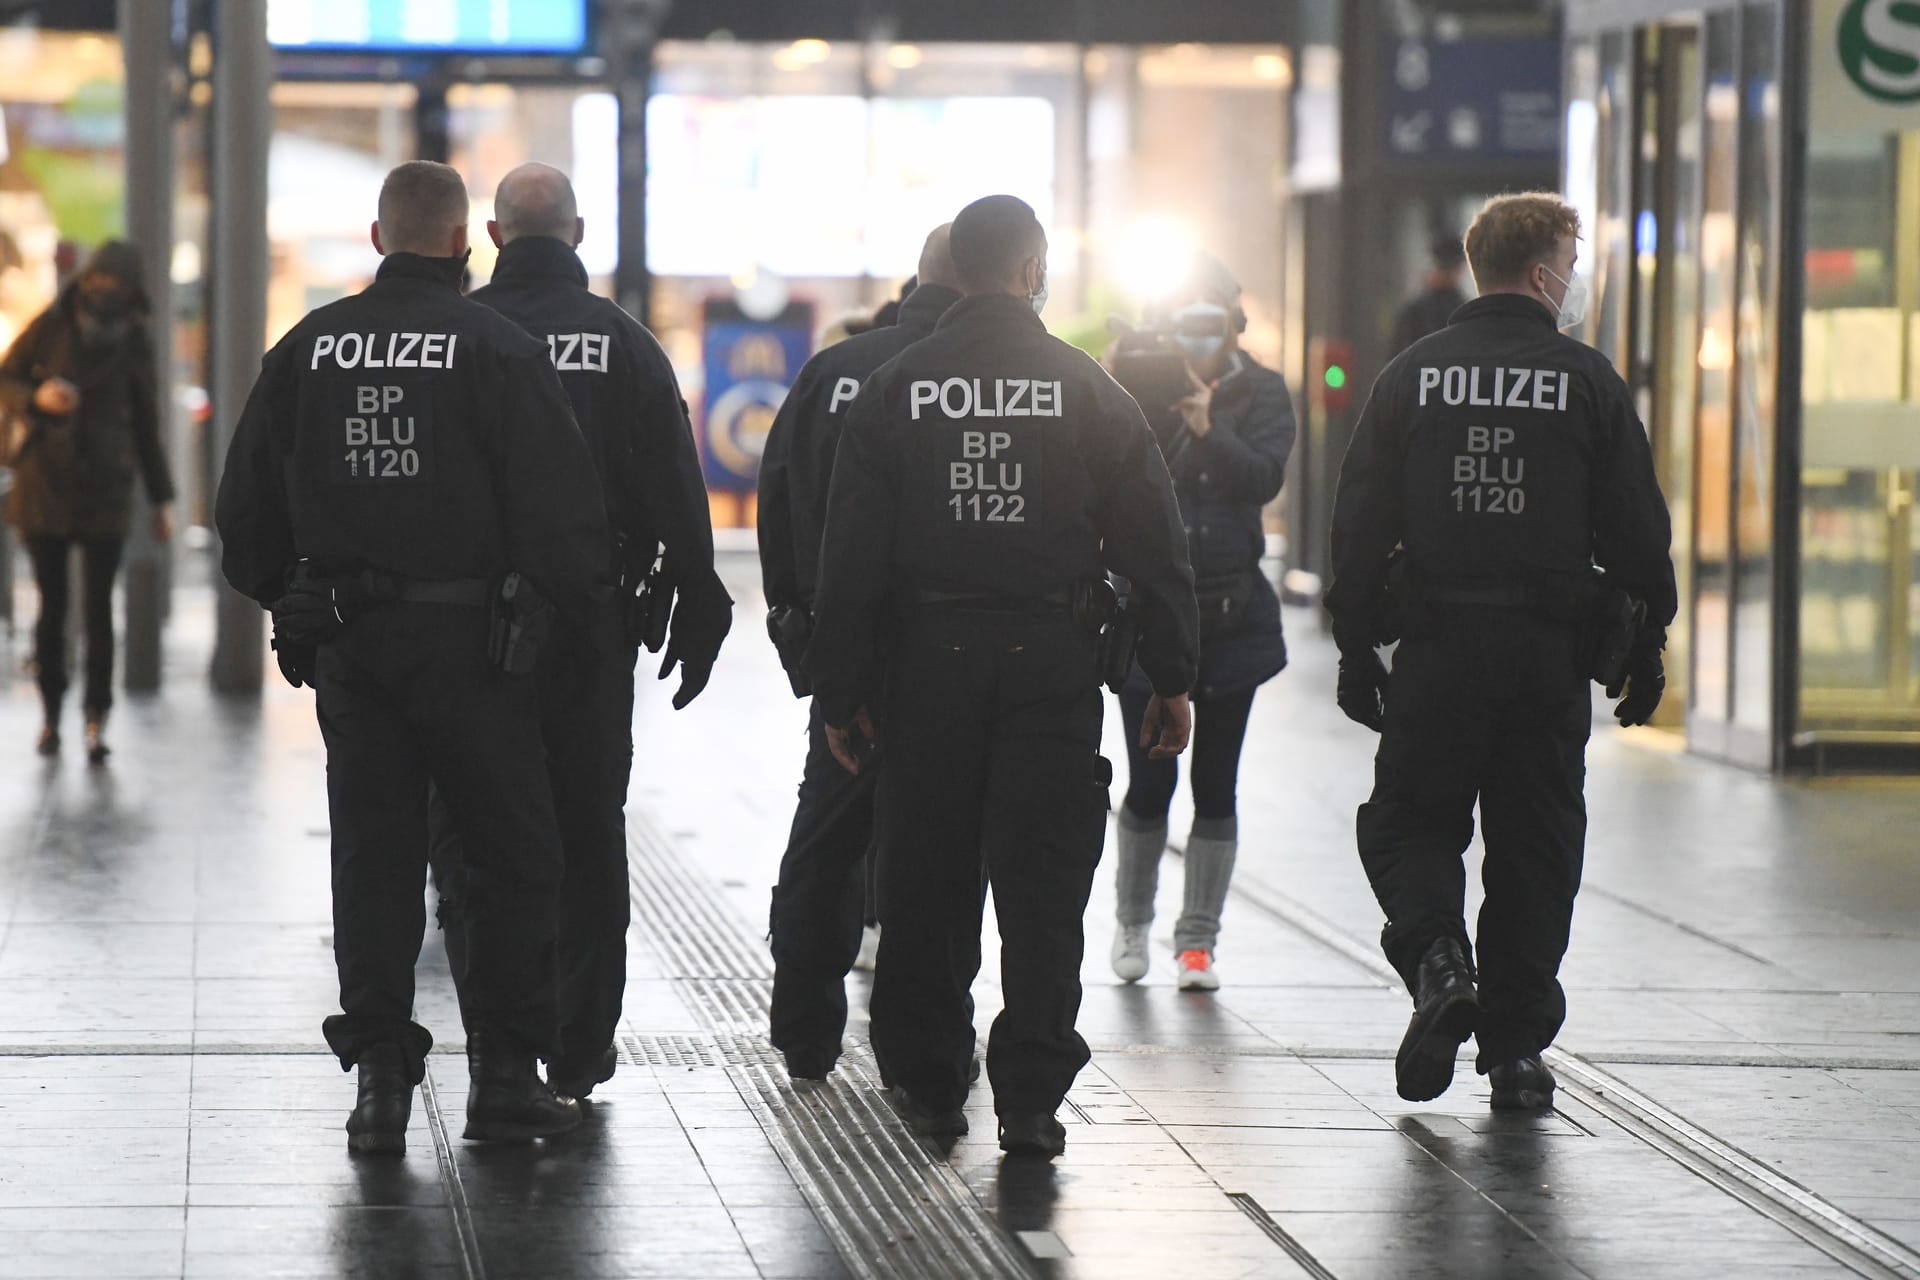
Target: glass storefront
[1860,596]
[1774,320]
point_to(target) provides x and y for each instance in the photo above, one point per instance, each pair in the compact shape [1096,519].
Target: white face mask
[1573,303]
[1039,297]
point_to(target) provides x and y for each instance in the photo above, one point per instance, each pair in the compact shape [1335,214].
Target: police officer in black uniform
[987,478]
[1497,467]
[819,902]
[406,459]
[628,404]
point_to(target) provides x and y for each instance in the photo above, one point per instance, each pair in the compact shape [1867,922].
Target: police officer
[819,902]
[406,458]
[628,404]
[1506,464]
[987,476]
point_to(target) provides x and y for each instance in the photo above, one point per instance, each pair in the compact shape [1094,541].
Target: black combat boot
[378,1125]
[1445,1013]
[507,1101]
[1524,1084]
[1033,1135]
[570,1079]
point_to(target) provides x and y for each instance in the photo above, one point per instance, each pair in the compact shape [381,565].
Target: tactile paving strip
[891,1208]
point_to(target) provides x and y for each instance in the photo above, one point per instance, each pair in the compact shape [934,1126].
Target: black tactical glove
[1643,681]
[1362,691]
[701,619]
[306,615]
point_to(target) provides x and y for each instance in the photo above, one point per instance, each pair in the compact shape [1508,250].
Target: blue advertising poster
[1477,98]
[749,366]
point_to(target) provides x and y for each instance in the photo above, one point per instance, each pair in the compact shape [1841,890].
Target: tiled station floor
[1741,1094]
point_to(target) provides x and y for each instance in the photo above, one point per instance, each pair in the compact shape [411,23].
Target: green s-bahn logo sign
[1880,48]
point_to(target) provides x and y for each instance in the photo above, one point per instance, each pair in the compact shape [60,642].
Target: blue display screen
[468,26]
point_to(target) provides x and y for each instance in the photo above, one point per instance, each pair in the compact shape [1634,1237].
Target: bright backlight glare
[1154,256]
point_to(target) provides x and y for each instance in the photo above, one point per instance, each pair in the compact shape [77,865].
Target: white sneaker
[1196,971]
[1130,952]
[869,948]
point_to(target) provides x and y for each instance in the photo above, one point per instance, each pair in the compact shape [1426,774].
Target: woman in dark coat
[81,379]
[1227,446]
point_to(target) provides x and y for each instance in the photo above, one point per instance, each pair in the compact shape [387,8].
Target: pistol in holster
[1109,617]
[519,625]
[646,598]
[790,627]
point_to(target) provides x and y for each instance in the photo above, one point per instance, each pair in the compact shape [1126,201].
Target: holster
[519,625]
[1110,619]
[297,660]
[790,627]
[646,597]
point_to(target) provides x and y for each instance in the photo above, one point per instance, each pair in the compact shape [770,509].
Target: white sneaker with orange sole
[1196,971]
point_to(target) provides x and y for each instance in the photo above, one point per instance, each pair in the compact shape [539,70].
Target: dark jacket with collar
[993,458]
[797,465]
[73,475]
[1225,480]
[410,431]
[626,399]
[1495,453]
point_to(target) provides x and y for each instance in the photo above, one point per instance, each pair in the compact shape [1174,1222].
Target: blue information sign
[749,366]
[463,26]
[1473,99]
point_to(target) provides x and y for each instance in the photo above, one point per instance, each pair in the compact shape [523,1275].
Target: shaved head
[536,200]
[423,210]
[936,259]
[995,239]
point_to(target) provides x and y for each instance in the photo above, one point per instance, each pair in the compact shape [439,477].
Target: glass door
[1666,309]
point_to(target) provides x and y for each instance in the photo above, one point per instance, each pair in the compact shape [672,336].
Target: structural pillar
[242,132]
[630,29]
[146,43]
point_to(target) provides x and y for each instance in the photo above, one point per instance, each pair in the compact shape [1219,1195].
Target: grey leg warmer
[1210,854]
[1138,872]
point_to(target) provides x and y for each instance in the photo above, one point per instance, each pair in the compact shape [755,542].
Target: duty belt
[1492,597]
[474,593]
[993,602]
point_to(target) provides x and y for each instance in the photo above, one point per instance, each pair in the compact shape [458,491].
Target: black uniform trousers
[406,694]
[819,904]
[992,777]
[1492,705]
[586,724]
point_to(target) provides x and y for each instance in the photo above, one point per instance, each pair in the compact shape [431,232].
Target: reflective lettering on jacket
[385,350]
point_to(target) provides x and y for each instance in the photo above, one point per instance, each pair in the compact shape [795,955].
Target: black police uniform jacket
[412,432]
[797,465]
[626,400]
[1224,480]
[994,458]
[1498,453]
[73,474]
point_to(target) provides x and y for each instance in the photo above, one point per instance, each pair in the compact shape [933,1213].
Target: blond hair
[1514,232]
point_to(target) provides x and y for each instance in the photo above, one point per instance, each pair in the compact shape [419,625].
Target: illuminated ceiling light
[811,50]
[905,57]
[91,47]
[1096,63]
[1155,255]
